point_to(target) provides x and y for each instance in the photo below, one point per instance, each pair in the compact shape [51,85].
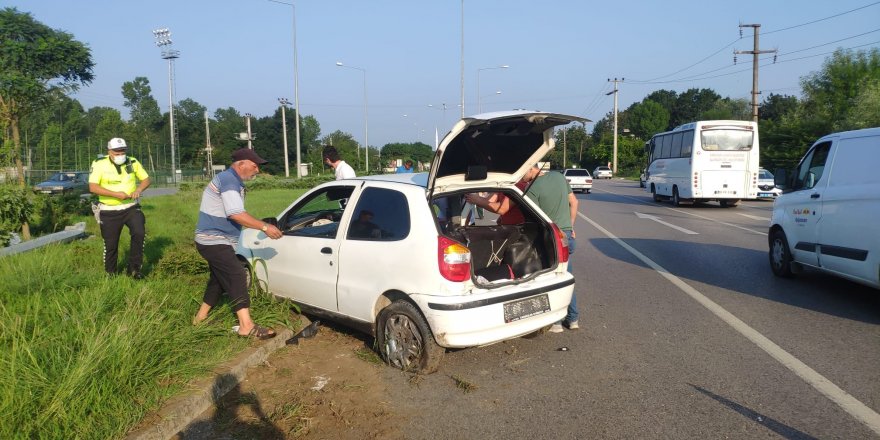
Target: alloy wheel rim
[403,342]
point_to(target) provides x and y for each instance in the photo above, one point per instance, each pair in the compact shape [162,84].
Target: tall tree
[146,117]
[829,93]
[647,118]
[34,61]
[774,107]
[691,104]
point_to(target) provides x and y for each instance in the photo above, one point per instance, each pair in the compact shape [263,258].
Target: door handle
[814,195]
[326,250]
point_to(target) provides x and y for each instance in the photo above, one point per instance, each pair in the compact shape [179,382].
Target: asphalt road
[685,333]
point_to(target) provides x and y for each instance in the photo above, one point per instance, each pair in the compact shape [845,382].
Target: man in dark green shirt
[553,195]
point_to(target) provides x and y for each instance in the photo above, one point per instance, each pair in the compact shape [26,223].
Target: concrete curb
[179,412]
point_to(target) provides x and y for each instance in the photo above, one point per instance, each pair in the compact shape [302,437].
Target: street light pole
[284,103]
[295,92]
[163,40]
[250,136]
[479,107]
[366,118]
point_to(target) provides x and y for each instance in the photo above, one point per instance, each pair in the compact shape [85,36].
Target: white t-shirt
[344,171]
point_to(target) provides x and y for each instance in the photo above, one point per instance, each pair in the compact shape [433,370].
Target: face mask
[119,160]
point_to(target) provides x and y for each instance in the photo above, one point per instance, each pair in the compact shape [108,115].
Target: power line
[651,81]
[822,19]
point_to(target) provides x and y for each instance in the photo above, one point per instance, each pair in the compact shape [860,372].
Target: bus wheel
[676,201]
[729,203]
[654,194]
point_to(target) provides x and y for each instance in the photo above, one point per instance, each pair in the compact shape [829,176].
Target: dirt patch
[328,387]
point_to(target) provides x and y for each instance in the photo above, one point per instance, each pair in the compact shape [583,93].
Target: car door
[849,234]
[303,264]
[803,206]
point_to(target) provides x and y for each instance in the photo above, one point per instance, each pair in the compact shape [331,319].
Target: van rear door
[849,234]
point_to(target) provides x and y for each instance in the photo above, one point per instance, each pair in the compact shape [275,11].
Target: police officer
[118,180]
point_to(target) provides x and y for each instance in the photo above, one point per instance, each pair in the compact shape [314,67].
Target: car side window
[380,215]
[811,168]
[318,215]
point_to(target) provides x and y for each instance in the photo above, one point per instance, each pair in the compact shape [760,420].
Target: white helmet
[117,144]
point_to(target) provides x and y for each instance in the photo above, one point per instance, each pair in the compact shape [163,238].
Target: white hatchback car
[399,256]
[579,179]
[602,172]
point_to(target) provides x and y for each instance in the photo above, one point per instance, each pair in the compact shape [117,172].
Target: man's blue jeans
[572,307]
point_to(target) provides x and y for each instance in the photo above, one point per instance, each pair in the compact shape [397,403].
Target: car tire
[587,191]
[405,341]
[676,201]
[780,255]
[641,183]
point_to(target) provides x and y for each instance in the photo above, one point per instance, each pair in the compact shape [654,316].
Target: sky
[561,54]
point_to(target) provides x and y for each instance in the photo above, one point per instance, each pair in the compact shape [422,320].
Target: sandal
[261,333]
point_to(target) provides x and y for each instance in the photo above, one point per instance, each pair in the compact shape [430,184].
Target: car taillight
[454,260]
[561,244]
[589,180]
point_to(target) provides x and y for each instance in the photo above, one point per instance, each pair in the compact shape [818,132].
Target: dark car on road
[67,182]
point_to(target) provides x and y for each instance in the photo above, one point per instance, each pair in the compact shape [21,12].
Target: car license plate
[765,194]
[524,308]
[46,191]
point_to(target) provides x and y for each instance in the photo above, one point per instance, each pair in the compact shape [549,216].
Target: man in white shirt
[343,170]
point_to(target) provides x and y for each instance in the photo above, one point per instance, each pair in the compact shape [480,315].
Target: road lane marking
[685,212]
[844,400]
[754,217]
[657,219]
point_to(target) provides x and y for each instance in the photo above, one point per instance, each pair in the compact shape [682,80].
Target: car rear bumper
[506,313]
[581,185]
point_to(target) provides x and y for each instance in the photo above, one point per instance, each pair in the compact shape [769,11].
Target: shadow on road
[779,428]
[747,271]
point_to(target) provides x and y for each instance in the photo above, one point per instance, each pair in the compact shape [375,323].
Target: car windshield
[603,169]
[765,175]
[583,173]
[59,177]
[726,140]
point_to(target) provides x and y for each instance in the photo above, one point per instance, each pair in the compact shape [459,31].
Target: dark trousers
[111,228]
[227,275]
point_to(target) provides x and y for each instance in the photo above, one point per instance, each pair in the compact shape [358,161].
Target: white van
[828,216]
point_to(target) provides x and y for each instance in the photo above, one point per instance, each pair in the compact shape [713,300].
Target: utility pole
[209,150]
[755,52]
[250,137]
[615,80]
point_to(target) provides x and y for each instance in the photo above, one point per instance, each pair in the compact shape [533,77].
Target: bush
[16,207]
[54,212]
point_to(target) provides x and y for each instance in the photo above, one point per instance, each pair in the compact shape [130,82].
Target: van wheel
[780,255]
[405,341]
[654,194]
[676,201]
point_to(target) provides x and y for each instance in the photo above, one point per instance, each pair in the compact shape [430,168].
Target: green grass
[87,356]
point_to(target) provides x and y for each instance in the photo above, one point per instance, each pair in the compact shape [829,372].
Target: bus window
[726,140]
[687,143]
[676,145]
[667,143]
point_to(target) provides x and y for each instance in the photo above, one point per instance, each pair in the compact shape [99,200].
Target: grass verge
[87,356]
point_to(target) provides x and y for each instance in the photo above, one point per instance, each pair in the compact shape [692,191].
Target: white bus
[703,161]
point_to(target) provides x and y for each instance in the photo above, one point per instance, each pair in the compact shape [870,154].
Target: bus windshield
[726,140]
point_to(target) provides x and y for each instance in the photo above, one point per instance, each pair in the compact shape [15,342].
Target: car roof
[418,179]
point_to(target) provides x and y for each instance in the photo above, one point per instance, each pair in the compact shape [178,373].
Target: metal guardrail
[69,233]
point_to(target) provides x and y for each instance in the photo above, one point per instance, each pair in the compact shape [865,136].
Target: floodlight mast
[163,41]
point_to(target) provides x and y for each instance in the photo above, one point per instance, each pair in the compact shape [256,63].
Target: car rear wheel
[780,255]
[405,340]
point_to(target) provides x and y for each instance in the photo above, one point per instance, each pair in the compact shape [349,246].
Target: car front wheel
[780,255]
[405,340]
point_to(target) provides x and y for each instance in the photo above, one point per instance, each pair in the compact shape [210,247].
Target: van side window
[811,168]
